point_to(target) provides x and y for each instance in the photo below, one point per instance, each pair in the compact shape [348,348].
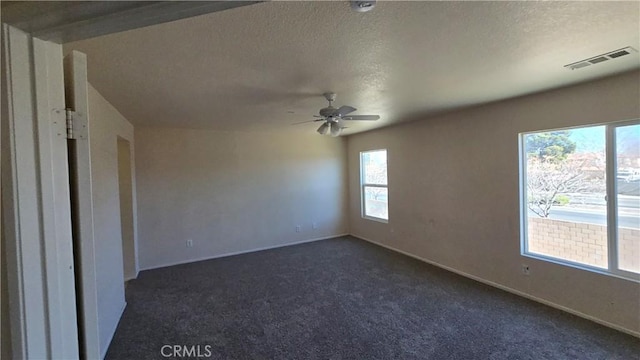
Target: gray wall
[232,192]
[454,196]
[106,126]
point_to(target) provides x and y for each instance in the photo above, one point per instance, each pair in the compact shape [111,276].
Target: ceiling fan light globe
[335,129]
[323,129]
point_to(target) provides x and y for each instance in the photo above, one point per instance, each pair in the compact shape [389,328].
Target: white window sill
[584,267]
[373,218]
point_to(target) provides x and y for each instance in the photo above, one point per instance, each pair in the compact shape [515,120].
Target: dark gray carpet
[346,299]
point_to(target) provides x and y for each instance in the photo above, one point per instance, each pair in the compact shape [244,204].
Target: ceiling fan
[332,117]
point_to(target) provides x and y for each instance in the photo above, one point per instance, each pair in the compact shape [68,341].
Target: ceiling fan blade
[346,109]
[304,122]
[361,117]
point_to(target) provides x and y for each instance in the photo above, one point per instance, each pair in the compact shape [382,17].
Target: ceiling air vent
[601,58]
[617,54]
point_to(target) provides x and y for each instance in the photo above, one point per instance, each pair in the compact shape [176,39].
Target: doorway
[125,185]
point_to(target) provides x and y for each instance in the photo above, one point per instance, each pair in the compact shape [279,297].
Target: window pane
[374,167]
[628,189]
[566,189]
[375,202]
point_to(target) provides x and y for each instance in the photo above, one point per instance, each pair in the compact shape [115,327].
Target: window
[373,180]
[581,197]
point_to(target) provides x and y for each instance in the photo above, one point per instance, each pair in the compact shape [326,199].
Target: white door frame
[35,206]
[77,99]
[35,194]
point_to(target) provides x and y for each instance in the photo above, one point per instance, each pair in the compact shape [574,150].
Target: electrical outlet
[526,270]
[189,243]
[298,228]
[314,225]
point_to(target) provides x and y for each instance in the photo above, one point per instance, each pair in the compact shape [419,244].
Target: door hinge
[76,125]
[69,114]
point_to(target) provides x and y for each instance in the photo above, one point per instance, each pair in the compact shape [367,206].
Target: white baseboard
[240,252]
[508,289]
[103,352]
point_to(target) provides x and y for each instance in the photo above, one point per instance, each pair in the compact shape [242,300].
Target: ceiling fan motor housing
[329,111]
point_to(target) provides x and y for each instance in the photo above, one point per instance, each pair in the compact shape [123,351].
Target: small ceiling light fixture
[363,6]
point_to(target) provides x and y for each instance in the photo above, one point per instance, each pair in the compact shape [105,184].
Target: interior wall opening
[125,184]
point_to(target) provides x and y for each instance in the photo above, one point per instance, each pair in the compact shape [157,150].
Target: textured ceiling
[265,66]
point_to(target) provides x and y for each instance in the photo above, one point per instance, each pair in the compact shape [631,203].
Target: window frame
[611,199]
[364,185]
